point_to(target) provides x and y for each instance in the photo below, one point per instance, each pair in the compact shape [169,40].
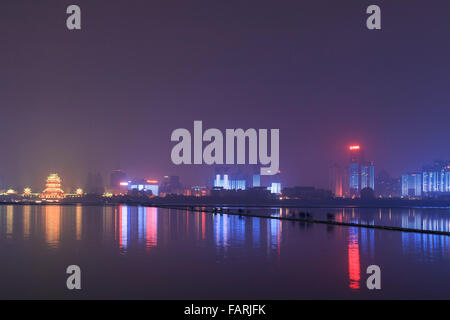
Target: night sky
[110,95]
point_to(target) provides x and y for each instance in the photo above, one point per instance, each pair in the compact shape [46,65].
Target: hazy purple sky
[111,94]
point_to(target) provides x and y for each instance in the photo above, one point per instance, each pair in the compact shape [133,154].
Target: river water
[132,252]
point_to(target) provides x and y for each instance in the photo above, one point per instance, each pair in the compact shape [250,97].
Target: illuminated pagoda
[53,188]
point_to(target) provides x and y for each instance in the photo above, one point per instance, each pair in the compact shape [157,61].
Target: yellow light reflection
[26,221]
[9,220]
[52,218]
[78,221]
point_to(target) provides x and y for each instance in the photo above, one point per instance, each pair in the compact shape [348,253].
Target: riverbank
[215,202]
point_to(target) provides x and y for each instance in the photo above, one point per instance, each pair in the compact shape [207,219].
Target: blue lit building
[412,185]
[237,184]
[229,184]
[239,181]
[256,180]
[361,172]
[275,188]
[354,179]
[431,181]
[368,175]
[436,179]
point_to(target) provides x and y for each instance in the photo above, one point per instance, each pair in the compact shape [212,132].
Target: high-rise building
[361,172]
[412,185]
[354,169]
[436,178]
[367,175]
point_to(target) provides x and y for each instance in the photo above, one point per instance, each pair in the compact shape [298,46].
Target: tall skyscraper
[367,175]
[361,172]
[355,169]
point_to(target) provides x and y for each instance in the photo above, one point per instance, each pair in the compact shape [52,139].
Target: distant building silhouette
[387,186]
[171,185]
[94,184]
[337,174]
[116,177]
[367,193]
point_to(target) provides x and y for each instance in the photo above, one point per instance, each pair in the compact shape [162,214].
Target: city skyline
[242,152]
[355,152]
[346,180]
[324,82]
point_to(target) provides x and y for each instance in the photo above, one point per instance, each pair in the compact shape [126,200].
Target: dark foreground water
[140,252]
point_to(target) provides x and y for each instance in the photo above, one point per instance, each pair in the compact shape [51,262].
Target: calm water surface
[143,252]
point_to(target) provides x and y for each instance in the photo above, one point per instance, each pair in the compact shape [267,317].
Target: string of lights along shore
[353,178]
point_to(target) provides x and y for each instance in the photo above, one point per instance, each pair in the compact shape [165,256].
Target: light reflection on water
[52,225]
[284,244]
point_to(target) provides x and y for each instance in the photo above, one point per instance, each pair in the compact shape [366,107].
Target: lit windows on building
[144,186]
[229,184]
[368,176]
[435,178]
[436,181]
[361,172]
[364,177]
[447,181]
[198,191]
[275,188]
[372,176]
[412,185]
[217,181]
[237,184]
[354,178]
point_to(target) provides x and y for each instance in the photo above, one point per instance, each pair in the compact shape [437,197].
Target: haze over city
[110,95]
